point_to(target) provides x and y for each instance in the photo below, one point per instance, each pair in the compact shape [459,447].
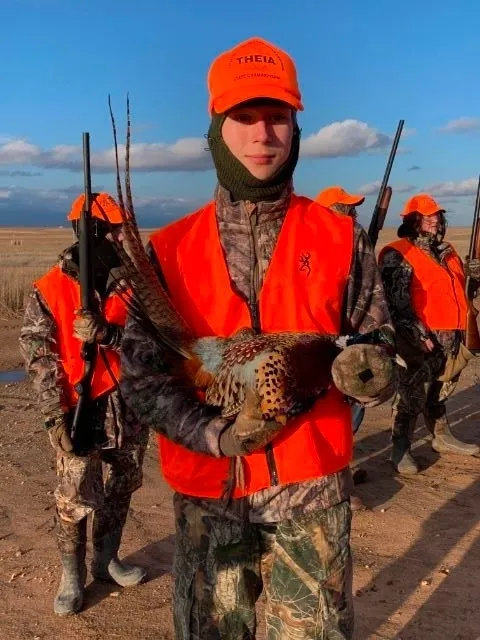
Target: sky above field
[362,66]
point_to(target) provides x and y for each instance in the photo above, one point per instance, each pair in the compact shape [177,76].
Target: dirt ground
[416,549]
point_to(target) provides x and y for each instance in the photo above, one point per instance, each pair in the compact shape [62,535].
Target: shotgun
[80,435]
[384,193]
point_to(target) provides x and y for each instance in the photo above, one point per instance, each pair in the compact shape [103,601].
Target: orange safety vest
[62,295]
[303,291]
[437,292]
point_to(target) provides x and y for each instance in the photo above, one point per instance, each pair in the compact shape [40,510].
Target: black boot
[72,539]
[443,439]
[108,526]
[402,459]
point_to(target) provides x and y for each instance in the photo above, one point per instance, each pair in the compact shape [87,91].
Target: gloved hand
[366,373]
[250,431]
[59,434]
[90,327]
[472,268]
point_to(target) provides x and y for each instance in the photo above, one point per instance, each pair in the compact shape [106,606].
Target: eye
[242,117]
[279,118]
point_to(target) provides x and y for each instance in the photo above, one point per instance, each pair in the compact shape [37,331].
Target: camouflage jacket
[248,234]
[397,275]
[38,346]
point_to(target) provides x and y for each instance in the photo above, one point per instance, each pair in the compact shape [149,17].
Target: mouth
[261,158]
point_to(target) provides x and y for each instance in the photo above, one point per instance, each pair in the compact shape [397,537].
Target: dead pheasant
[289,371]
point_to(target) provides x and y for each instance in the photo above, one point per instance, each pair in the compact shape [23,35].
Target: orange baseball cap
[334,195]
[104,207]
[423,204]
[252,69]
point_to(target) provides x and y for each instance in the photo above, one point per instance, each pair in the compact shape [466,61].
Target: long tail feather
[152,301]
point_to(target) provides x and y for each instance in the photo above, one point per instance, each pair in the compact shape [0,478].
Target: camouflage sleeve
[161,399]
[397,276]
[38,347]
[365,306]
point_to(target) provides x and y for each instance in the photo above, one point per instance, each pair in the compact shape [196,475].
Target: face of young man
[260,136]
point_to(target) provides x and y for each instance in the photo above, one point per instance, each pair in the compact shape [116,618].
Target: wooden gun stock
[472,336]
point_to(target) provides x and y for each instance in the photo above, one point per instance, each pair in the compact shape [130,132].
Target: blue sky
[362,66]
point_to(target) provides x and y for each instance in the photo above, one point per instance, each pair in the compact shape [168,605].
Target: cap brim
[232,99]
[354,199]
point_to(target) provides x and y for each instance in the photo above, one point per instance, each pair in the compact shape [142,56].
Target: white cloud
[186,154]
[462,125]
[372,188]
[347,138]
[454,189]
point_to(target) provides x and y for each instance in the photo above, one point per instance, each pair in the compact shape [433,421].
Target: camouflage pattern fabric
[419,392]
[304,565]
[346,209]
[85,484]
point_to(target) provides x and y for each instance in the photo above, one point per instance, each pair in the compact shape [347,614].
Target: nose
[261,131]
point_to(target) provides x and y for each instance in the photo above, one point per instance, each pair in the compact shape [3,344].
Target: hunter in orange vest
[337,199]
[424,282]
[51,341]
[257,256]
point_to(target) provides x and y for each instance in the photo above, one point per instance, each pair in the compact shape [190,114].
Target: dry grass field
[416,548]
[27,253]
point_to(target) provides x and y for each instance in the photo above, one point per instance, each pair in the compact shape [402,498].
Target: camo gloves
[59,434]
[90,327]
[250,431]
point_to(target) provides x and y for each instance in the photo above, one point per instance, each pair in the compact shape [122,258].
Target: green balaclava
[235,177]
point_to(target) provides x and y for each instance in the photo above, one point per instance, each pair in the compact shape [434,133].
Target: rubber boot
[444,441]
[71,538]
[406,465]
[402,435]
[108,526]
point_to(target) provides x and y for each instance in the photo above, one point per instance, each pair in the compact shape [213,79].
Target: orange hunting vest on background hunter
[62,295]
[303,290]
[437,292]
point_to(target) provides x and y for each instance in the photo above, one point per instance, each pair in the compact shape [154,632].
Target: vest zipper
[256,325]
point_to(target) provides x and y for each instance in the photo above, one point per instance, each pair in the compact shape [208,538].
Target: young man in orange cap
[50,341]
[261,256]
[338,199]
[424,282]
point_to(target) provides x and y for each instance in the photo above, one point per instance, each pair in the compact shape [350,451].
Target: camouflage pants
[418,392]
[221,566]
[85,484]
